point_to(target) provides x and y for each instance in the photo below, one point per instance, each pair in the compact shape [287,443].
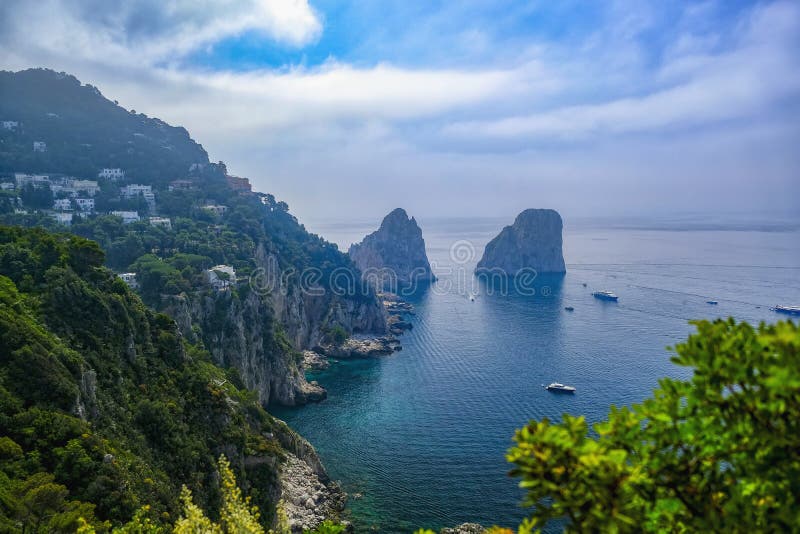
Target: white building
[111,174]
[177,185]
[85,204]
[221,277]
[134,190]
[62,204]
[216,208]
[39,146]
[8,186]
[90,186]
[127,216]
[10,125]
[36,180]
[161,221]
[130,279]
[63,218]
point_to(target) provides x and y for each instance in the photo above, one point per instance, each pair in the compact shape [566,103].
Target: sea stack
[394,255]
[533,242]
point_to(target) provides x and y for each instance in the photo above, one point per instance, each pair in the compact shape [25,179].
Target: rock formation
[359,347]
[532,242]
[394,255]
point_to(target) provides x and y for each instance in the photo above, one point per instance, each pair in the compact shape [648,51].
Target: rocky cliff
[261,330]
[394,254]
[534,242]
[110,382]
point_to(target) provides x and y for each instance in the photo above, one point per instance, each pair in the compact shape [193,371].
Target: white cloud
[546,121]
[697,90]
[146,32]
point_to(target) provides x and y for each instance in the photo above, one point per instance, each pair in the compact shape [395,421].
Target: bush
[717,453]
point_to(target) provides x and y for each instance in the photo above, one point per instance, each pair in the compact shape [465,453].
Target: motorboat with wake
[788,310]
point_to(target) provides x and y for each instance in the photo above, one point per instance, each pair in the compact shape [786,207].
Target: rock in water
[532,242]
[394,255]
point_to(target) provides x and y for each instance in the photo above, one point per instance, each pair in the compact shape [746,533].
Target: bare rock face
[239,330]
[533,242]
[394,255]
[304,489]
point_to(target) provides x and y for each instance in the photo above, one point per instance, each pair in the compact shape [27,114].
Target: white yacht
[605,295]
[560,388]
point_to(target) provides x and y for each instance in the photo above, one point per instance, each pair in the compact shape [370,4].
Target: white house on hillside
[221,277]
[10,125]
[217,209]
[62,204]
[63,218]
[90,186]
[111,174]
[85,204]
[161,221]
[130,279]
[134,190]
[36,180]
[127,216]
[39,146]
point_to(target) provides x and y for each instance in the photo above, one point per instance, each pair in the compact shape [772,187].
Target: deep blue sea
[419,436]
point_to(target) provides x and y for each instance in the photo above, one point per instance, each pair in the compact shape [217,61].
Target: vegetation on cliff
[204,218]
[103,406]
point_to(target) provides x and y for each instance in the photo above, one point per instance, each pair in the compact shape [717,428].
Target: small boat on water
[788,310]
[569,308]
[712,302]
[560,388]
[605,295]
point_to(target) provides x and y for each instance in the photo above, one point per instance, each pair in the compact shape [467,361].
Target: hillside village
[168,219]
[67,199]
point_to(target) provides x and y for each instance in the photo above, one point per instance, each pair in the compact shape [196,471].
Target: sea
[418,438]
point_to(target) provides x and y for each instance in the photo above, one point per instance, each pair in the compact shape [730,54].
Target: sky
[463,108]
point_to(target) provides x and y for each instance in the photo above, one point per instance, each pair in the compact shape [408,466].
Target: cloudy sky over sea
[454,108]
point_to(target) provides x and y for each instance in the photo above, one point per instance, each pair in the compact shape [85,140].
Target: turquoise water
[420,435]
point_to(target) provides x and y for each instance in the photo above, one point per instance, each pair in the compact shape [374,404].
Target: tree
[37,197]
[717,453]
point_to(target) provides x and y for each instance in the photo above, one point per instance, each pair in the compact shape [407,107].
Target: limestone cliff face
[396,247]
[260,330]
[534,241]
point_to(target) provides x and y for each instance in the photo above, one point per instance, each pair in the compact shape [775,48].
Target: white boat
[605,295]
[560,388]
[788,310]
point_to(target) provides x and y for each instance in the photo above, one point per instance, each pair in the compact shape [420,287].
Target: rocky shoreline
[320,356]
[465,528]
[307,496]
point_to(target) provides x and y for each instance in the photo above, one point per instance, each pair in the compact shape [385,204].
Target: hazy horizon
[469,109]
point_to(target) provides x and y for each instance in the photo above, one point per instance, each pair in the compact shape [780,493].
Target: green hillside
[85,132]
[103,406]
